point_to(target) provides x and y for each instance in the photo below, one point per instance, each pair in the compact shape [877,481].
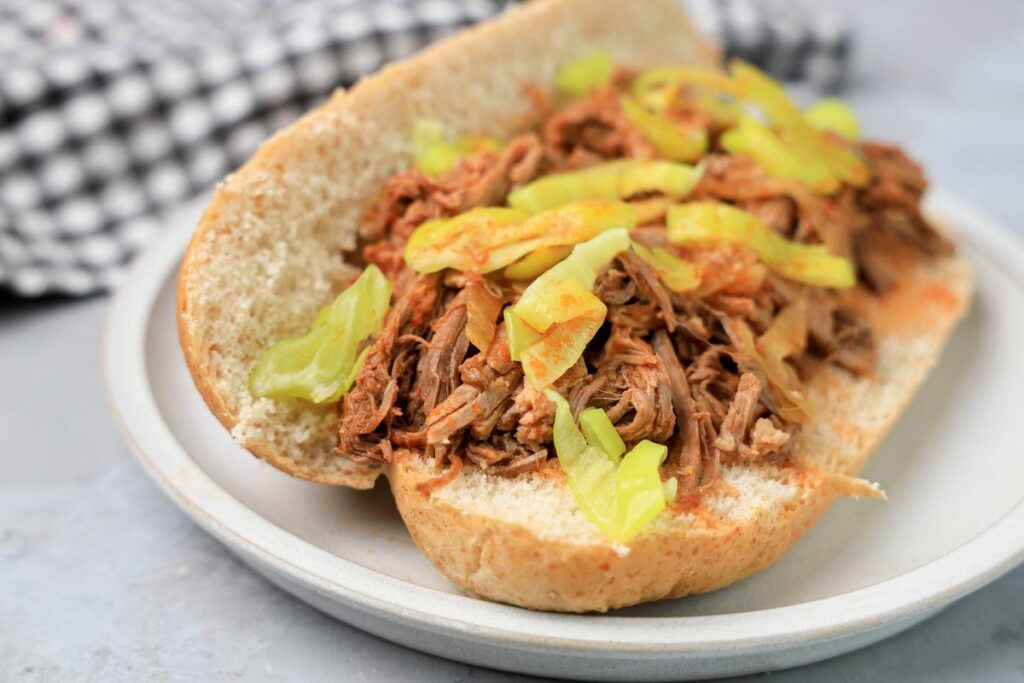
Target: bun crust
[269,252]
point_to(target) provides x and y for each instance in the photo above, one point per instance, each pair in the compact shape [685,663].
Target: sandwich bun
[269,252]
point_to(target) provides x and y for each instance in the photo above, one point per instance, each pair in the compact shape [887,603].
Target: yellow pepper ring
[685,75]
[710,223]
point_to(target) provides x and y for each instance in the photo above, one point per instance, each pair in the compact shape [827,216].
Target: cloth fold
[113,113]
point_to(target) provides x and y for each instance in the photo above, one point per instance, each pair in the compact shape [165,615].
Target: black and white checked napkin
[113,112]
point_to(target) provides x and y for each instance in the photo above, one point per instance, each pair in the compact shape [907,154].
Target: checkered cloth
[112,112]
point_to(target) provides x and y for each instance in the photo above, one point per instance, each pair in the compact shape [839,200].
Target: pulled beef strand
[435,372]
[470,406]
[767,438]
[371,401]
[877,260]
[485,178]
[740,416]
[855,347]
[631,384]
[590,130]
[520,463]
[492,383]
[686,457]
[489,457]
[648,283]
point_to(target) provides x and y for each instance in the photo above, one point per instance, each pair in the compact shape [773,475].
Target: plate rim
[130,397]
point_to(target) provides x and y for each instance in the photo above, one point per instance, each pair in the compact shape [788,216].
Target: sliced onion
[791,401]
[787,333]
[483,305]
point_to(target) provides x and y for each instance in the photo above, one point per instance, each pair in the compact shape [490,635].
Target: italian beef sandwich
[616,321]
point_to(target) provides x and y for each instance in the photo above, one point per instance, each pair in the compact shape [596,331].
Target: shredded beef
[664,365]
[638,300]
[713,385]
[435,372]
[745,435]
[892,202]
[730,271]
[649,285]
[736,179]
[614,286]
[687,456]
[851,223]
[630,383]
[488,382]
[854,344]
[641,317]
[508,420]
[483,368]
[792,212]
[520,463]
[738,420]
[486,179]
[412,197]
[590,130]
[530,414]
[821,311]
[651,236]
[877,259]
[778,213]
[370,404]
[408,199]
[505,456]
[467,405]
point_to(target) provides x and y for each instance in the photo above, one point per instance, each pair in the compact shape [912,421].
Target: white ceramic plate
[953,469]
